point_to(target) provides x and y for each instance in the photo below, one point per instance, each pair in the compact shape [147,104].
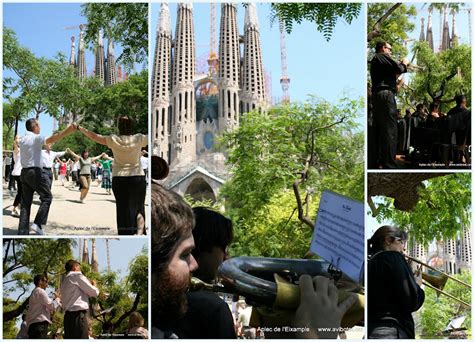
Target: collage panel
[243,162]
[75,115]
[79,288]
[419,244]
[419,85]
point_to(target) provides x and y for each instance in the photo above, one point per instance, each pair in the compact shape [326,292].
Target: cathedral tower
[160,85]
[429,31]
[253,83]
[183,131]
[111,74]
[229,69]
[81,57]
[100,59]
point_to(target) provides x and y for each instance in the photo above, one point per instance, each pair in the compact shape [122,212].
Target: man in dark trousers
[33,178]
[76,290]
[384,72]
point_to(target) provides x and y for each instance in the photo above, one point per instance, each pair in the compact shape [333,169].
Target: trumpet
[273,283]
[437,282]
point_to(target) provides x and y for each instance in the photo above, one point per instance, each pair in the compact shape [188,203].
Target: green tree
[324,15]
[124,23]
[445,75]
[23,259]
[394,29]
[314,146]
[443,207]
[437,311]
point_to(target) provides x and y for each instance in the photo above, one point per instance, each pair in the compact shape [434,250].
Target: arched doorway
[200,190]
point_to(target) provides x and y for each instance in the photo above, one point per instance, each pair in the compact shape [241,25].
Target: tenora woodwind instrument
[273,283]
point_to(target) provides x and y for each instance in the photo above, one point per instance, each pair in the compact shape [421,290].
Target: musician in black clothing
[393,290]
[384,72]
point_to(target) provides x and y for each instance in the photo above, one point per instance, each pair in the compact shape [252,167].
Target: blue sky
[325,69]
[42,29]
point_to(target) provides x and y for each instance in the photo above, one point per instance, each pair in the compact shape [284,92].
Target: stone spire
[445,41]
[253,84]
[72,59]
[422,31]
[85,252]
[94,259]
[100,58]
[429,30]
[449,256]
[81,56]
[229,69]
[465,254]
[111,74]
[160,85]
[183,131]
[454,35]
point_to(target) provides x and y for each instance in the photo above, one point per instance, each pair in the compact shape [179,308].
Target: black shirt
[384,72]
[393,293]
[207,317]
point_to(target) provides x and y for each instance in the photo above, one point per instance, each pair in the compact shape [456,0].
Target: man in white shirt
[75,291]
[144,163]
[33,178]
[48,157]
[40,308]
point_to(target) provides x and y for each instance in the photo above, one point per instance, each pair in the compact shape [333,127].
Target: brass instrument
[437,282]
[414,68]
[273,283]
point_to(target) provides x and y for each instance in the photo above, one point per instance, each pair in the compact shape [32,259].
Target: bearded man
[172,262]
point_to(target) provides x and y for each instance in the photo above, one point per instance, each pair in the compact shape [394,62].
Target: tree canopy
[323,15]
[394,29]
[271,151]
[442,209]
[124,23]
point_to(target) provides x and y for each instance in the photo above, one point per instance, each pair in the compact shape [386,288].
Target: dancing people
[84,171]
[129,184]
[33,178]
[16,173]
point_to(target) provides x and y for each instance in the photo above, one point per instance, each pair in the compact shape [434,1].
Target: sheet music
[338,236]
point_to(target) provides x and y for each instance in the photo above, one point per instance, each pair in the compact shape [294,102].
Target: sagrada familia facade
[104,68]
[190,110]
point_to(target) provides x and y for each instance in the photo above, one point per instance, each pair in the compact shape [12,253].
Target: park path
[67,215]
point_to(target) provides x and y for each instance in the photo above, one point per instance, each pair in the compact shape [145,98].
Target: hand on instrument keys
[318,309]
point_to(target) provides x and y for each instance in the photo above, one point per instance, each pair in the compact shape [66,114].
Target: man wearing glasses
[384,72]
[40,309]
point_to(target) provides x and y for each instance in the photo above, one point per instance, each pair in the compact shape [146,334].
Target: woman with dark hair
[84,171]
[129,184]
[393,291]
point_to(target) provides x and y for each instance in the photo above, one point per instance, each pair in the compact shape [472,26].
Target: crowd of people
[72,298]
[424,136]
[36,166]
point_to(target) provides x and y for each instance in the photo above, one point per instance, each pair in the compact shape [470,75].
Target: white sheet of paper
[338,235]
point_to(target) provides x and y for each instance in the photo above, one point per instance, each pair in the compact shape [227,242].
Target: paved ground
[68,216]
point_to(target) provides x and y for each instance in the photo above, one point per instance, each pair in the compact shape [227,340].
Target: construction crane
[284,80]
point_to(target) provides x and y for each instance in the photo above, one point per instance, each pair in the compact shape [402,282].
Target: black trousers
[20,189]
[387,330]
[129,195]
[49,174]
[76,325]
[38,330]
[385,128]
[34,179]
